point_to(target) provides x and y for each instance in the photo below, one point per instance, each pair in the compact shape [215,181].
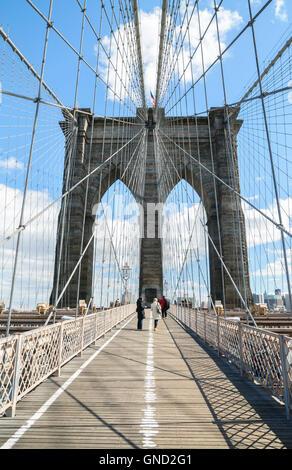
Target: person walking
[140,313]
[164,306]
[156,312]
[162,301]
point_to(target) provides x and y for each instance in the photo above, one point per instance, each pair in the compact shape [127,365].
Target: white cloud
[179,222]
[253,198]
[275,269]
[262,235]
[227,21]
[150,30]
[259,230]
[37,248]
[11,163]
[280,10]
[120,219]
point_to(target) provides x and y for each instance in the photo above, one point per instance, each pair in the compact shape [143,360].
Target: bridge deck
[148,389]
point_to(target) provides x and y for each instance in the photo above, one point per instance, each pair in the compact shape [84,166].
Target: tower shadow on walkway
[247,416]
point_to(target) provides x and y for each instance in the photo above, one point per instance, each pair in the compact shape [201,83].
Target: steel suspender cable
[21,221]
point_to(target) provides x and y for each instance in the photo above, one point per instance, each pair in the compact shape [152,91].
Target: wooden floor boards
[197,400]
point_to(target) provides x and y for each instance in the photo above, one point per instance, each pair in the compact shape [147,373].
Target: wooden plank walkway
[148,389]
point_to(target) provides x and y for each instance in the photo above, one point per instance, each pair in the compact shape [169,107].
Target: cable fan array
[37,129]
[194,55]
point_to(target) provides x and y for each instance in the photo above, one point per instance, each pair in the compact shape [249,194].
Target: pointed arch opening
[116,247]
[185,247]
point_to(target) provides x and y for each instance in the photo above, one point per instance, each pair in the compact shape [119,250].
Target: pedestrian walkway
[150,390]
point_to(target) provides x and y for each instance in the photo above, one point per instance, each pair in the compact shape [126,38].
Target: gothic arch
[230,220]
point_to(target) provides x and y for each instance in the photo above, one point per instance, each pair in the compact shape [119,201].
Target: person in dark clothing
[161,301]
[164,306]
[140,313]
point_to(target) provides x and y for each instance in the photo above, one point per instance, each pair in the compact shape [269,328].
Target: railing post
[196,322]
[104,323]
[82,337]
[205,330]
[218,335]
[60,349]
[285,376]
[96,327]
[240,347]
[10,412]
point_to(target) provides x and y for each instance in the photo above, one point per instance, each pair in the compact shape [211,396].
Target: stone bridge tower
[108,137]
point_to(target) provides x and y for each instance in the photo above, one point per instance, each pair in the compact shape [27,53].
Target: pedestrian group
[159,310]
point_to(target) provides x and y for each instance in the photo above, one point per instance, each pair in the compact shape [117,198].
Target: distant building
[258,298]
[273,300]
[287,302]
[278,301]
[184,301]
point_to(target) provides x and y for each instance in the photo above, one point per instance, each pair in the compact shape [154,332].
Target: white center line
[20,432]
[149,426]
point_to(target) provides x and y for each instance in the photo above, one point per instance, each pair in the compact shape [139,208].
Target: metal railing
[27,359]
[262,355]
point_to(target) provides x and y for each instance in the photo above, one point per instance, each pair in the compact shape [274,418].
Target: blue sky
[27,31]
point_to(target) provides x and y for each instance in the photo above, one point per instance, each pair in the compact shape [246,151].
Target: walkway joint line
[22,430]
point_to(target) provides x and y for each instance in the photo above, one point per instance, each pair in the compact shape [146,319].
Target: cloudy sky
[60,74]
[61,69]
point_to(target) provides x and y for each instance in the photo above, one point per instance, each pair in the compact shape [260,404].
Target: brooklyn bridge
[145,152]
